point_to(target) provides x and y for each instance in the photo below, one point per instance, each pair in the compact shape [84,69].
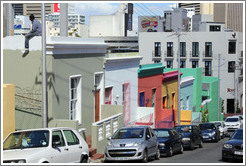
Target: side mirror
[109,138]
[147,137]
[56,143]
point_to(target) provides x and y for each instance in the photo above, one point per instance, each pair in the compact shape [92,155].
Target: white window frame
[78,115]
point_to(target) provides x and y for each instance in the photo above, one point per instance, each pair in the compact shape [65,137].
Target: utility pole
[178,76]
[45,112]
[64,19]
[218,118]
[235,87]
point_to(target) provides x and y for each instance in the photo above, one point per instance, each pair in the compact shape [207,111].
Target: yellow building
[8,109]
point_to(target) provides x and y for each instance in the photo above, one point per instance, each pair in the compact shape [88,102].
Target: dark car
[170,141]
[191,135]
[210,132]
[233,149]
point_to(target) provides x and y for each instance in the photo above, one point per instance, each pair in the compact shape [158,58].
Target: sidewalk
[96,161]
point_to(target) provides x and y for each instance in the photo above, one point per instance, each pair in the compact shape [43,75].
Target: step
[97,156]
[92,151]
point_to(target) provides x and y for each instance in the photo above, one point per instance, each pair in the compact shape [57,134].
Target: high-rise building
[231,14]
[35,8]
[191,5]
[18,9]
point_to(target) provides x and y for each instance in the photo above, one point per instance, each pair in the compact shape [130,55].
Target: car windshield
[27,139]
[128,133]
[237,135]
[184,128]
[162,133]
[231,120]
[217,124]
[207,126]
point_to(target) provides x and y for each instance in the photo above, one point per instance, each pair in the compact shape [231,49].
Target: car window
[184,128]
[238,134]
[71,138]
[162,133]
[128,133]
[175,133]
[207,126]
[58,135]
[152,132]
[232,120]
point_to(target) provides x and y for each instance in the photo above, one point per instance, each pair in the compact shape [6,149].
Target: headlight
[228,146]
[137,143]
[213,133]
[186,139]
[161,144]
[22,161]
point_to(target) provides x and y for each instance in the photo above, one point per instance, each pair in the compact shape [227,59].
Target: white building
[198,49]
[73,19]
[22,25]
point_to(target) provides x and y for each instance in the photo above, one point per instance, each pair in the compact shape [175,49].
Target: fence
[103,129]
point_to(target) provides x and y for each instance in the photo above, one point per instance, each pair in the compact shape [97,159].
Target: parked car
[209,132]
[233,148]
[232,123]
[191,135]
[170,141]
[45,145]
[222,128]
[132,143]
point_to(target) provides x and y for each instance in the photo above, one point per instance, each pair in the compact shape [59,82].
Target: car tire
[224,159]
[201,144]
[145,156]
[181,149]
[158,154]
[170,153]
[84,159]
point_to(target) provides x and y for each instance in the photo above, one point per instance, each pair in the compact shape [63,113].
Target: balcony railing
[194,56]
[207,55]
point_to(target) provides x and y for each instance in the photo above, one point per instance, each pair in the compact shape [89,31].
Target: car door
[154,140]
[149,141]
[196,135]
[177,140]
[60,153]
[74,145]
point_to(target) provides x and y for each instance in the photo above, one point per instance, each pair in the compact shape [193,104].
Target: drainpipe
[64,19]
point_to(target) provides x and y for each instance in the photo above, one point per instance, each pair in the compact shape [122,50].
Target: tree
[204,112]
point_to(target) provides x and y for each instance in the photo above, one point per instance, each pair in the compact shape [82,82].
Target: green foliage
[204,112]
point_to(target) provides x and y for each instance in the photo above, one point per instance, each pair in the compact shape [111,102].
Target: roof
[150,69]
[143,127]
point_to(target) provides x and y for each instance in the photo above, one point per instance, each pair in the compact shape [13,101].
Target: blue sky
[140,9]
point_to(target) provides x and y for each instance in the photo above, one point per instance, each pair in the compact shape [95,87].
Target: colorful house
[168,116]
[121,83]
[150,88]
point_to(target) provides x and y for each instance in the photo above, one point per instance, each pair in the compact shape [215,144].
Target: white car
[232,123]
[45,145]
[222,128]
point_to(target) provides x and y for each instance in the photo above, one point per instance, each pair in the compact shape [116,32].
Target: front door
[97,105]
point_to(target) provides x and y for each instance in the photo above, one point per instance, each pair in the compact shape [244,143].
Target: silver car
[132,143]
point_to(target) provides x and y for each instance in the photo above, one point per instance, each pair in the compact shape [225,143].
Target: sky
[139,9]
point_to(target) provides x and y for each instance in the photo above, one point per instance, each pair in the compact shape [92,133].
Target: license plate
[238,153]
[205,137]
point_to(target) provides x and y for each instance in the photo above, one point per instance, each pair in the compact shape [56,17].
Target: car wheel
[170,153]
[224,159]
[217,139]
[145,156]
[158,154]
[84,159]
[200,145]
[181,149]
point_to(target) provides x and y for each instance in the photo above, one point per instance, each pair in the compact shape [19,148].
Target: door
[97,105]
[74,145]
[61,151]
[126,103]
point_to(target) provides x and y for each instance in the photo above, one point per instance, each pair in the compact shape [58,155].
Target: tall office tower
[200,8]
[35,8]
[231,14]
[18,9]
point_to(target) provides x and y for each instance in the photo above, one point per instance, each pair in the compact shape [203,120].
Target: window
[187,103]
[214,28]
[194,64]
[169,49]
[147,133]
[208,68]
[153,97]
[182,49]
[173,101]
[75,98]
[232,47]
[141,99]
[181,104]
[157,49]
[195,49]
[108,95]
[182,64]
[208,49]
[231,67]
[157,61]
[71,138]
[57,136]
[169,64]
[164,102]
